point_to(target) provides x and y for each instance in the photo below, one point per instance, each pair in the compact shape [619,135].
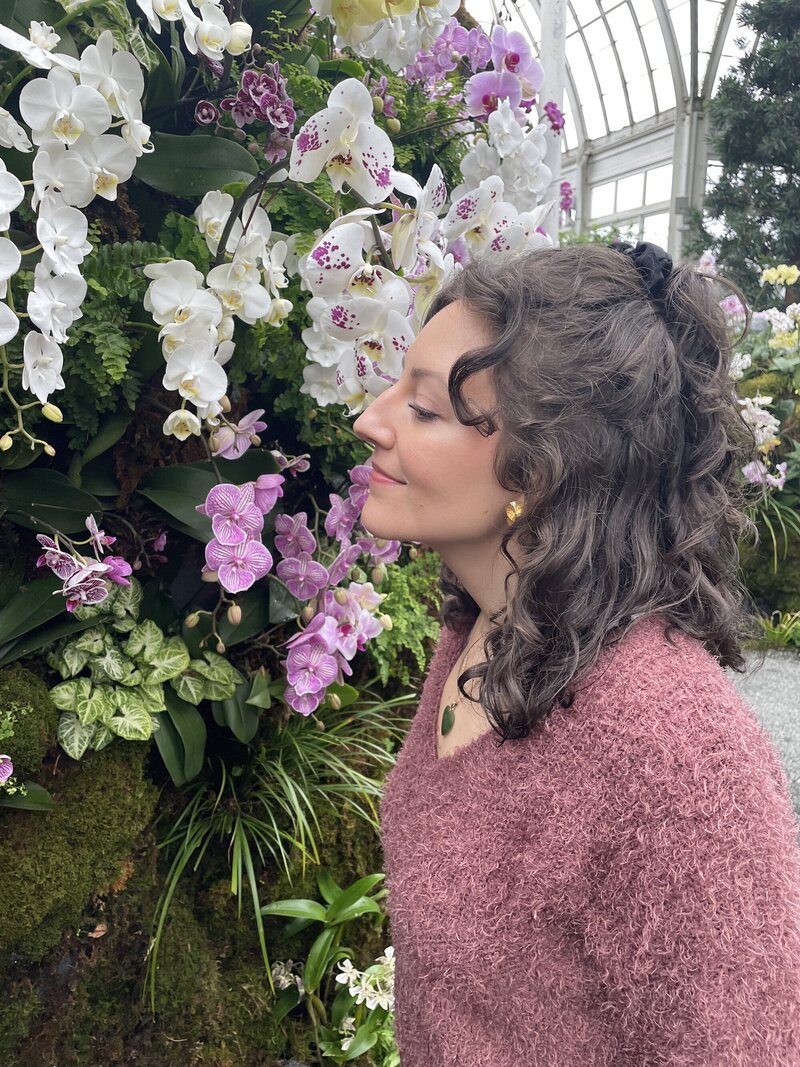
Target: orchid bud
[192,620]
[209,576]
[255,439]
[239,135]
[241,36]
[377,103]
[377,574]
[234,614]
[381,542]
[225,404]
[320,725]
[52,412]
[307,614]
[6,442]
[385,621]
[49,450]
[256,49]
[220,647]
[335,701]
[137,565]
[341,596]
[358,575]
[254,149]
[413,553]
[213,442]
[393,125]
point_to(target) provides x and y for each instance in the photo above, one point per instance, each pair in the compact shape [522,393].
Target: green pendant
[448,718]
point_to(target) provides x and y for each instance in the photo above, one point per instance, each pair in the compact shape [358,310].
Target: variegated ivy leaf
[173,659]
[102,737]
[217,669]
[135,677]
[152,697]
[66,695]
[73,736]
[134,724]
[91,641]
[190,686]
[74,659]
[111,666]
[145,642]
[219,690]
[124,625]
[95,704]
[126,600]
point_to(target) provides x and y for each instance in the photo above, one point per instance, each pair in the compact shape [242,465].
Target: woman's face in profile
[445,490]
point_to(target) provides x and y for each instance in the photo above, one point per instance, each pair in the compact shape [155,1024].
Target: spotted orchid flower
[414,228]
[343,140]
[378,326]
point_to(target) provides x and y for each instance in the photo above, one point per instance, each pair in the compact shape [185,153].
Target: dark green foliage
[28,720]
[51,864]
[754,124]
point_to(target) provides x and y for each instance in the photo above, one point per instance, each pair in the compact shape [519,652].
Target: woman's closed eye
[421,413]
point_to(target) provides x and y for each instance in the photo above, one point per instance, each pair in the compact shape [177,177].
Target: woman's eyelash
[422,413]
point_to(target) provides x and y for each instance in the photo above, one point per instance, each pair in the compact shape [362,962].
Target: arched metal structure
[637,78]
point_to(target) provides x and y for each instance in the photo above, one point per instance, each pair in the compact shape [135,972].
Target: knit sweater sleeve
[684,901]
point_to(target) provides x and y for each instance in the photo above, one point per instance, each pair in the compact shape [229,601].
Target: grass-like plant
[268,808]
[781,629]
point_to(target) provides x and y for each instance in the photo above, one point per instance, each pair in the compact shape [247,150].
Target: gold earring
[513,512]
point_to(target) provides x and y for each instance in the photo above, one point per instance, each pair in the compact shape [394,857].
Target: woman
[591,855]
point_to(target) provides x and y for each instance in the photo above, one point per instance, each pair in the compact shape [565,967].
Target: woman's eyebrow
[422,372]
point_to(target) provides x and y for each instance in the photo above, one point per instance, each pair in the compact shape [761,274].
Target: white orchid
[56,106]
[212,34]
[43,361]
[196,376]
[469,214]
[321,348]
[10,260]
[55,303]
[9,324]
[239,289]
[135,133]
[99,164]
[358,383]
[12,134]
[37,49]
[343,140]
[62,234]
[319,382]
[274,260]
[173,286]
[414,228]
[113,75]
[11,195]
[378,326]
[181,424]
[213,212]
[334,260]
[240,39]
[505,133]
[197,323]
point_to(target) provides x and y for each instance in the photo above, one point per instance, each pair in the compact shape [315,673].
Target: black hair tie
[653,263]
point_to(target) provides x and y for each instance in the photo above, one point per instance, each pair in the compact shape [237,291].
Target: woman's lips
[381,476]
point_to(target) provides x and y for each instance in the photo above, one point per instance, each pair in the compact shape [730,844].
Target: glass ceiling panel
[625,40]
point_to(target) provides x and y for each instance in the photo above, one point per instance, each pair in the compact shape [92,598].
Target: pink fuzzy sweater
[620,888]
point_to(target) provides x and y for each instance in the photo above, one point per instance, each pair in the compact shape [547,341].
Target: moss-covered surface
[28,720]
[773,590]
[82,1005]
[52,862]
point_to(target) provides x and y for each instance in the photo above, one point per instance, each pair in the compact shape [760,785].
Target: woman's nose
[373,424]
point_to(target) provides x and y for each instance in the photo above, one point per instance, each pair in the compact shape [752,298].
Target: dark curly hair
[621,432]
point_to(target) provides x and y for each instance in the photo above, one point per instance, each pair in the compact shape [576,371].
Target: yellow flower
[770,443]
[769,276]
[785,340]
[349,13]
[788,274]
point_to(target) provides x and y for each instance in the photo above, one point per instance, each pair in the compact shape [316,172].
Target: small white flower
[278,311]
[319,383]
[113,75]
[211,34]
[135,133]
[181,424]
[43,361]
[12,134]
[240,291]
[241,36]
[62,235]
[10,260]
[11,195]
[56,107]
[36,48]
[107,160]
[55,303]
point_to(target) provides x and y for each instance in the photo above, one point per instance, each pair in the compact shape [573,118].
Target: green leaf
[91,641]
[360,907]
[30,607]
[282,605]
[102,737]
[74,737]
[217,669]
[344,68]
[296,908]
[351,895]
[146,642]
[363,1040]
[173,659]
[36,799]
[177,491]
[241,719]
[346,693]
[328,888]
[284,1002]
[44,498]
[43,637]
[92,705]
[110,432]
[318,959]
[191,729]
[219,690]
[133,722]
[193,166]
[260,695]
[153,697]
[255,617]
[170,746]
[74,659]
[111,666]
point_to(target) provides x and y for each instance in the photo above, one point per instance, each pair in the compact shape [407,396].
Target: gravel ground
[773,692]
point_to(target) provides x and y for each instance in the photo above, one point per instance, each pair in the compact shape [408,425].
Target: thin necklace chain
[448,715]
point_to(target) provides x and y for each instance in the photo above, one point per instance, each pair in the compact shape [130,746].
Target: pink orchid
[61,563]
[233,513]
[293,535]
[310,667]
[341,518]
[98,538]
[302,575]
[118,570]
[305,704]
[86,585]
[484,91]
[267,489]
[338,570]
[233,440]
[6,768]
[238,566]
[296,465]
